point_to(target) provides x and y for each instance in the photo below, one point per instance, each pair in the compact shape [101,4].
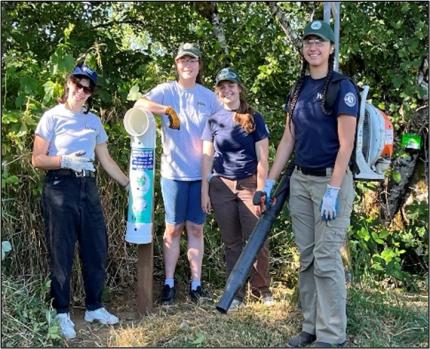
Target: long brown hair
[74,79]
[244,115]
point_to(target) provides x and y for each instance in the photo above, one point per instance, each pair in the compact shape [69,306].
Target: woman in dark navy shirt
[321,188]
[235,165]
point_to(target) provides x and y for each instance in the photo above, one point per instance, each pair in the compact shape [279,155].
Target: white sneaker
[67,327]
[101,315]
[268,301]
[235,305]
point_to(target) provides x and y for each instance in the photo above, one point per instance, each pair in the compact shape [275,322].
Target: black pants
[72,212]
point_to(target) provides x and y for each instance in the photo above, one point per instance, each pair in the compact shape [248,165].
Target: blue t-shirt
[316,137]
[182,149]
[235,156]
[67,131]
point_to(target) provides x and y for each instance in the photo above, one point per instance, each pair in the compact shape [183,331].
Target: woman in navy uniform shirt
[321,188]
[235,149]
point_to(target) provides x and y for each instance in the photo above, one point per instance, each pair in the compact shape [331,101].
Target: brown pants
[235,215]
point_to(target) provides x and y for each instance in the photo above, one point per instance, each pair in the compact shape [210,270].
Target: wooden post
[145,266]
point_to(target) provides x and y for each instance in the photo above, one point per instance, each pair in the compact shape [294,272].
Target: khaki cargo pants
[322,277]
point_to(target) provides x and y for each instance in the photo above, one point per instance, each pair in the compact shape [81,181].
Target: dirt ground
[123,305]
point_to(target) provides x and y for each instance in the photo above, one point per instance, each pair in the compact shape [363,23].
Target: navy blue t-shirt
[235,155]
[316,137]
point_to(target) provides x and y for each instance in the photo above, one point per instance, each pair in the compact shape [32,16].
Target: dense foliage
[131,45]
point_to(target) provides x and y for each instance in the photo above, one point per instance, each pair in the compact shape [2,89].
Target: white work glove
[330,203]
[77,162]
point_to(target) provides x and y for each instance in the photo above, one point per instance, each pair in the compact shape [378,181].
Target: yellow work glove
[173,118]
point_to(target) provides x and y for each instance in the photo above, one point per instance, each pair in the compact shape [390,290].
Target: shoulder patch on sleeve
[350,99]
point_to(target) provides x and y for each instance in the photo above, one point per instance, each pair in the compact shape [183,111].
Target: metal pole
[336,9]
[327,12]
[333,8]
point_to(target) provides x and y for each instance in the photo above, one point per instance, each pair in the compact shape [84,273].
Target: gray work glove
[77,162]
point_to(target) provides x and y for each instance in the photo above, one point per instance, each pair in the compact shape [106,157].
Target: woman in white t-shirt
[67,139]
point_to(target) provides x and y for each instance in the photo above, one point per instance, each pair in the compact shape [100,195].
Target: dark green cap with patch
[227,74]
[188,49]
[320,29]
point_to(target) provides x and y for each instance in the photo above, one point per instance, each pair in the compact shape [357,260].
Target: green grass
[376,318]
[389,318]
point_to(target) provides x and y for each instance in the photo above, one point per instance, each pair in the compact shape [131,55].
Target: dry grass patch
[190,325]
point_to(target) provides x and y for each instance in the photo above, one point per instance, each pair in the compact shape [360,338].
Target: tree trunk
[278,13]
[208,10]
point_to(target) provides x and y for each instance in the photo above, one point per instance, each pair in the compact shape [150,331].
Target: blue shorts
[182,201]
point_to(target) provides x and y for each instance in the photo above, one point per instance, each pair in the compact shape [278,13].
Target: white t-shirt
[183,149]
[68,132]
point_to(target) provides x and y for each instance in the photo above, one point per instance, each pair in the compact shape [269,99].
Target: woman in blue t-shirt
[67,140]
[321,187]
[235,165]
[187,104]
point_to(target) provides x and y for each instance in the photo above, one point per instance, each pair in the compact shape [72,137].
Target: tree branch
[208,10]
[423,77]
[278,13]
[125,21]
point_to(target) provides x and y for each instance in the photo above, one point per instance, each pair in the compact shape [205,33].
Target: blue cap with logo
[319,28]
[227,74]
[83,70]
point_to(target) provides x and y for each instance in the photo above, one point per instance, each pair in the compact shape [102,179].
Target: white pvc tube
[136,122]
[140,125]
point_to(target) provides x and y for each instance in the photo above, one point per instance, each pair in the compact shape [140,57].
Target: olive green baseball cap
[228,74]
[319,28]
[188,49]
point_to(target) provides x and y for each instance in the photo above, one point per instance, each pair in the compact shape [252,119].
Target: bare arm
[109,165]
[41,159]
[283,153]
[346,132]
[207,162]
[151,106]
[262,150]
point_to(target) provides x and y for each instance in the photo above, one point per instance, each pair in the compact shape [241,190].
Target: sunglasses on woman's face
[87,90]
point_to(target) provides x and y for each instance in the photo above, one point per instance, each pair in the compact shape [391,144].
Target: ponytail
[327,84]
[296,92]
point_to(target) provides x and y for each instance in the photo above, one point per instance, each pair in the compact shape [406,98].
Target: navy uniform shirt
[316,137]
[235,156]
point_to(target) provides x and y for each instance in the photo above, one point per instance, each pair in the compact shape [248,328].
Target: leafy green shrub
[26,319]
[399,256]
